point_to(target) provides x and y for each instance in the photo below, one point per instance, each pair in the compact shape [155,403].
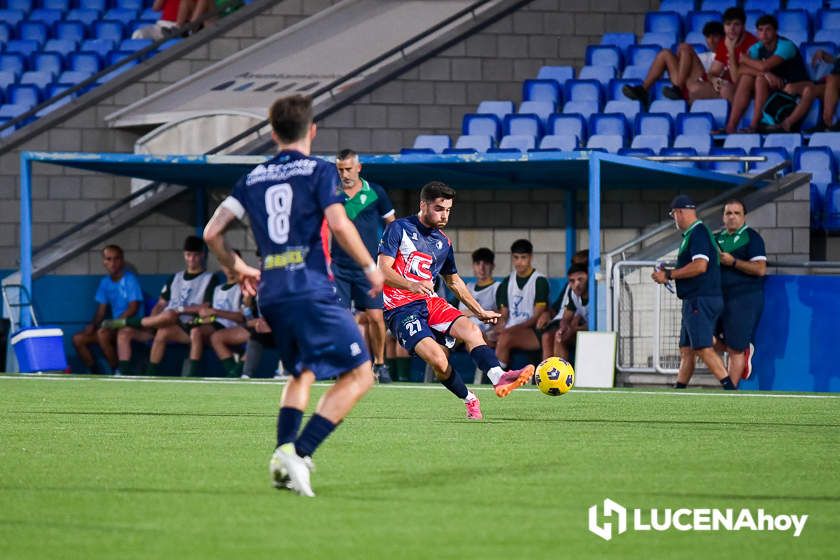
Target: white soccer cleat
[290,471]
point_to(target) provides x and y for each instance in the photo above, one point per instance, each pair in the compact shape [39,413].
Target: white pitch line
[413,386]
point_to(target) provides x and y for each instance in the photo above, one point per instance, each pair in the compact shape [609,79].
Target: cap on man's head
[682,201]
[194,244]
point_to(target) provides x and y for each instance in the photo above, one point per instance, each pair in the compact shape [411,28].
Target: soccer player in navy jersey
[286,200]
[412,253]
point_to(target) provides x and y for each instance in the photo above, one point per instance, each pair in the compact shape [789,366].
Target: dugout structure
[589,172]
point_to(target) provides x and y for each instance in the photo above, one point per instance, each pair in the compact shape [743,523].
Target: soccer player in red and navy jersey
[412,252]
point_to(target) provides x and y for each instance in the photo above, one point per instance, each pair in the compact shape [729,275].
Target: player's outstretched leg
[504,382]
[292,404]
[436,357]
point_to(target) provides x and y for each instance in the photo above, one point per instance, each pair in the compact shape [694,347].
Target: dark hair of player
[435,190]
[113,247]
[713,28]
[521,246]
[767,19]
[483,255]
[291,117]
[735,13]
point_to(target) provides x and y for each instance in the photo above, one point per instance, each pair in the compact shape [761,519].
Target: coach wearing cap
[697,277]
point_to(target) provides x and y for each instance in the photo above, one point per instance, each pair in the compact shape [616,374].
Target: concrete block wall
[63,197]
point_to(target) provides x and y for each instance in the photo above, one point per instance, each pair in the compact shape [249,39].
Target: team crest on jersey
[439,244]
[418,266]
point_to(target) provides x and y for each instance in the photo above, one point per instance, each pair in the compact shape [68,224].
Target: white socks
[495,374]
[470,397]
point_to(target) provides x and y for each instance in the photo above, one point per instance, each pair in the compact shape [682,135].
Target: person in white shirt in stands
[686,68]
[483,290]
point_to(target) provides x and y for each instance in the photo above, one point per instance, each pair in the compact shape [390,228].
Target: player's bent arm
[131,310]
[235,316]
[99,315]
[695,268]
[214,235]
[456,284]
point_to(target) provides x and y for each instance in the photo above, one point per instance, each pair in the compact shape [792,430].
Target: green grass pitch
[99,468]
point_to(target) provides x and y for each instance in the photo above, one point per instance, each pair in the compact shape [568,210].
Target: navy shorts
[699,318]
[353,286]
[739,319]
[316,334]
[425,318]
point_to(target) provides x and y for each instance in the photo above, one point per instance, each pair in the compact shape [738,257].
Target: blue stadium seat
[627,108]
[5,32]
[23,47]
[664,22]
[10,111]
[60,5]
[608,124]
[11,17]
[831,215]
[521,142]
[50,17]
[655,124]
[614,89]
[435,142]
[24,6]
[70,31]
[149,15]
[57,104]
[568,125]
[52,62]
[827,36]
[543,109]
[695,123]
[85,61]
[730,167]
[39,79]
[541,90]
[696,20]
[658,89]
[483,124]
[743,141]
[99,46]
[134,45]
[126,17]
[33,31]
[461,151]
[642,55]
[830,140]
[671,106]
[789,141]
[817,160]
[810,6]
[697,40]
[828,19]
[718,108]
[111,30]
[700,142]
[583,108]
[134,5]
[798,36]
[774,156]
[747,116]
[680,152]
[718,6]
[70,78]
[752,18]
[86,17]
[584,90]
[564,142]
[7,79]
[635,72]
[61,46]
[609,142]
[653,142]
[793,22]
[526,124]
[557,73]
[662,40]
[19,94]
[604,55]
[478,142]
[763,6]
[417,151]
[601,73]
[620,40]
[679,6]
[636,152]
[498,108]
[98,5]
[13,62]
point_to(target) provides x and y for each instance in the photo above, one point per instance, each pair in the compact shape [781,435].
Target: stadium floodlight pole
[594,236]
[24,310]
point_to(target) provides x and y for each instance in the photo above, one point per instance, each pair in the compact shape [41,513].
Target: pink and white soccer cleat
[513,379]
[474,410]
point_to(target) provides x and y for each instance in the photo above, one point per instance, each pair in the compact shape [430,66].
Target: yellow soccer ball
[555,376]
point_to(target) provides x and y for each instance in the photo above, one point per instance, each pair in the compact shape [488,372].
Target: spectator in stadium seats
[774,63]
[180,300]
[723,73]
[697,277]
[368,206]
[549,319]
[521,299]
[119,294]
[174,15]
[573,319]
[828,90]
[685,68]
[743,264]
[484,290]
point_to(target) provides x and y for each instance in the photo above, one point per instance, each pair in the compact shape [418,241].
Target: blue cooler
[39,349]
